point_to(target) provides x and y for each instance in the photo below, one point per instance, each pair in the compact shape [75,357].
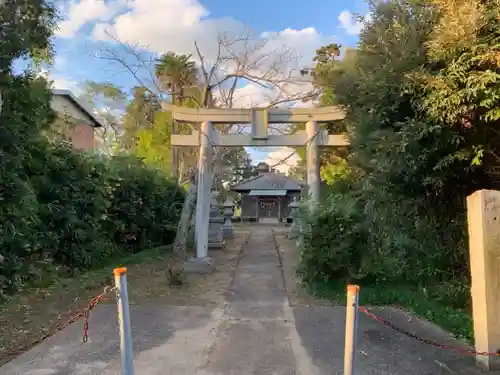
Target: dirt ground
[31,315]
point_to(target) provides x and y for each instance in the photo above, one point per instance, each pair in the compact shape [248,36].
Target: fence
[352,311]
[121,291]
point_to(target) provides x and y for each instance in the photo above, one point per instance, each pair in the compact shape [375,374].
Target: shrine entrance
[268,208]
[209,137]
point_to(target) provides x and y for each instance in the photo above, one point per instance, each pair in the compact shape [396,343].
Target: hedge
[71,210]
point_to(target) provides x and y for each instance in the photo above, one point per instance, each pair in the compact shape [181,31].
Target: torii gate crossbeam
[313,138]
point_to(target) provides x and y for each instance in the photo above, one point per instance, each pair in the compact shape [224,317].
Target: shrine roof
[269,181]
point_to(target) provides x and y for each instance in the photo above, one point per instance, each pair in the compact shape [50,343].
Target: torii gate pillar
[204,188]
[312,160]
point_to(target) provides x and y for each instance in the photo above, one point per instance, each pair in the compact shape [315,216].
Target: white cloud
[174,25]
[79,13]
[250,95]
[166,25]
[277,156]
[58,82]
[347,22]
[62,83]
[253,95]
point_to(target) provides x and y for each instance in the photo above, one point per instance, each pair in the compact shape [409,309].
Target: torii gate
[312,138]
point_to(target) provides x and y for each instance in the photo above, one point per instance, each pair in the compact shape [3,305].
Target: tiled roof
[97,123]
[269,181]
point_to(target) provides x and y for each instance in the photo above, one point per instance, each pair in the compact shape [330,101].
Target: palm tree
[176,72]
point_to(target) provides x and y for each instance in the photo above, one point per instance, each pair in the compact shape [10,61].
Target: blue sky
[173,25]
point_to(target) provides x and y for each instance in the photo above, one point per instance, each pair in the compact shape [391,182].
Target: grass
[100,275]
[415,300]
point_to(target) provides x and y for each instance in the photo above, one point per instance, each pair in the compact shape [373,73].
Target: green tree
[25,33]
[110,102]
[402,192]
[326,59]
[153,143]
[26,30]
[462,92]
[140,114]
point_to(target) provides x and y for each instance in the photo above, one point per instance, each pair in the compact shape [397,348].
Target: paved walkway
[259,330]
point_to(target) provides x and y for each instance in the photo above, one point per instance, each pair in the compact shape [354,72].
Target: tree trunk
[179,256]
[185,219]
[181,169]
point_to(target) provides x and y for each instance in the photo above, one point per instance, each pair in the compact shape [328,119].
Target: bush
[333,242]
[76,209]
[72,192]
[358,237]
[145,206]
[25,110]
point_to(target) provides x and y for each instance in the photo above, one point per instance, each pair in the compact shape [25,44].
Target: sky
[159,26]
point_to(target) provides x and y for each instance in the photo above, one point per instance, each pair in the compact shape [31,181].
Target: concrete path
[258,330]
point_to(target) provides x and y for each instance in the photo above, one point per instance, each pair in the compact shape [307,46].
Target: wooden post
[313,179]
[204,190]
[483,216]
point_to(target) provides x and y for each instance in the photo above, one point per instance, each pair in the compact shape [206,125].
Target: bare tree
[263,62]
[253,59]
[271,67]
[237,59]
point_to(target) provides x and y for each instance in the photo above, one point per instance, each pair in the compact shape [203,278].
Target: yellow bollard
[124,321]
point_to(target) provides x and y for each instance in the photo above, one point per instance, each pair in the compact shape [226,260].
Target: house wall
[82,137]
[81,130]
[65,106]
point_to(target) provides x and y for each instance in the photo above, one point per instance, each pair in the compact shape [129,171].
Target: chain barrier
[463,351]
[85,313]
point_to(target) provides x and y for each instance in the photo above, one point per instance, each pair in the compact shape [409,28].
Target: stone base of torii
[208,137]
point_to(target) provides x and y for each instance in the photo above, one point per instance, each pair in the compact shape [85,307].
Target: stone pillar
[257,202]
[483,216]
[312,160]
[227,228]
[279,208]
[215,221]
[204,189]
[294,205]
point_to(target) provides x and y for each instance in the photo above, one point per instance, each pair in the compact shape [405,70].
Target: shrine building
[267,196]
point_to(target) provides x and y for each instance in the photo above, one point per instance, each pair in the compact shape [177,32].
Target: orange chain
[85,312]
[427,341]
